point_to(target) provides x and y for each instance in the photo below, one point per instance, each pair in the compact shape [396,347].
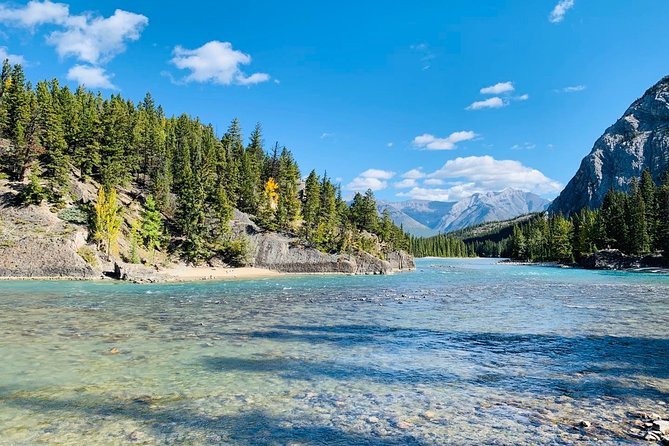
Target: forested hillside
[186,178]
[635,223]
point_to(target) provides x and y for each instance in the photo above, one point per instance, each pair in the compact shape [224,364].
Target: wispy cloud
[216,62]
[374,179]
[494,102]
[326,135]
[426,54]
[559,11]
[431,142]
[498,88]
[572,89]
[524,146]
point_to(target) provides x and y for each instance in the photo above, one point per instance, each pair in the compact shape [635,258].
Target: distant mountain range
[426,218]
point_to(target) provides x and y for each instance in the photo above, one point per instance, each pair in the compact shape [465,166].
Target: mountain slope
[490,206]
[426,218]
[638,140]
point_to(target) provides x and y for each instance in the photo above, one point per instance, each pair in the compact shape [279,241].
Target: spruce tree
[311,206]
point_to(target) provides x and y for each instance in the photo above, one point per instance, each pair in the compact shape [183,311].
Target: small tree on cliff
[107,224]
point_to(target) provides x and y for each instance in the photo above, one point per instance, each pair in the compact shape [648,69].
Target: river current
[462,352]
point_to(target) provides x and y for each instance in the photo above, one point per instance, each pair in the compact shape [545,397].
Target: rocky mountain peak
[638,140]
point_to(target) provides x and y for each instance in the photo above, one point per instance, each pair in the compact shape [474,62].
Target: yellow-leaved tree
[107,221]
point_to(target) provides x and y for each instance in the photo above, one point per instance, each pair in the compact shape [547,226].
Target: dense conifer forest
[186,177]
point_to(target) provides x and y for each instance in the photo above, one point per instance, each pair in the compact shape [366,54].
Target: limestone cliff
[638,140]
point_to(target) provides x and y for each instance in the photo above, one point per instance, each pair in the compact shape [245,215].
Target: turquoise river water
[459,352]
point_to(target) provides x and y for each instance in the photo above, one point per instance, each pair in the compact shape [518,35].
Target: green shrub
[74,214]
[235,252]
[88,254]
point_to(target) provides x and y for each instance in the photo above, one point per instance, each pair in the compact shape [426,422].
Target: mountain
[426,218]
[638,140]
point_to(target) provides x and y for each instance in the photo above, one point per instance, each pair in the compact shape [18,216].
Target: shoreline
[640,269]
[185,274]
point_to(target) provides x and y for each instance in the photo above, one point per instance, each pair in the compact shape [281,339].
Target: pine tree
[191,220]
[288,207]
[648,192]
[52,139]
[518,243]
[151,226]
[638,240]
[311,206]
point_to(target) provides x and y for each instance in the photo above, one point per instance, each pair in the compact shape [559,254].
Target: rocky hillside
[638,140]
[427,218]
[43,242]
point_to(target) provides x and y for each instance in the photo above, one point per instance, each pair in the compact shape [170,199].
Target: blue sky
[432,100]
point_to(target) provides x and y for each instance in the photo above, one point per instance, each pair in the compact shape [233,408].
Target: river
[458,352]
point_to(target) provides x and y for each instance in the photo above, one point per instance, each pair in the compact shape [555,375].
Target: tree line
[635,222]
[189,180]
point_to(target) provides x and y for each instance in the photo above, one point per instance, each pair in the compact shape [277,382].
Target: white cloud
[414,174]
[91,77]
[363,183]
[374,179]
[97,40]
[88,38]
[255,78]
[216,62]
[13,58]
[35,13]
[378,173]
[490,174]
[573,89]
[476,174]
[522,97]
[405,183]
[498,88]
[325,135]
[431,142]
[454,193]
[559,11]
[433,182]
[494,102]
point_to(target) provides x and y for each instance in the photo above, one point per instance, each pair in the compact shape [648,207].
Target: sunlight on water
[459,352]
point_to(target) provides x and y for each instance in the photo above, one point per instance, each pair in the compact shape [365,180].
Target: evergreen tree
[648,192]
[151,226]
[638,241]
[311,206]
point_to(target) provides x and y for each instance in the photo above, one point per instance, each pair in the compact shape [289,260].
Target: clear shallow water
[459,352]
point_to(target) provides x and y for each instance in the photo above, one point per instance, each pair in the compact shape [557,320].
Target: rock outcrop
[613,259]
[638,140]
[282,252]
[35,243]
